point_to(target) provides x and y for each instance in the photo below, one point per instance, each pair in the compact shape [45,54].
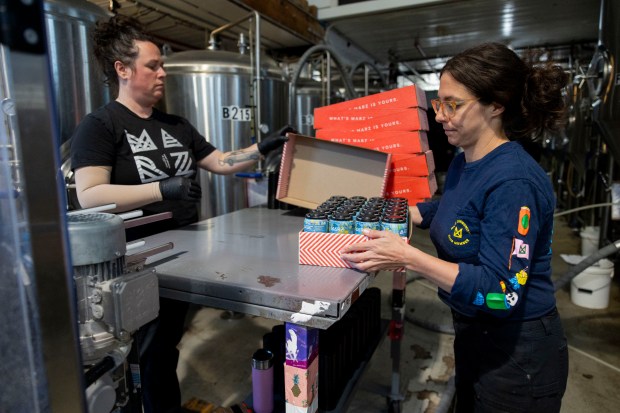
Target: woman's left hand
[384,251]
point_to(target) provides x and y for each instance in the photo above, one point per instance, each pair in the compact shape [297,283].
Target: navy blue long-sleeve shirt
[495,219]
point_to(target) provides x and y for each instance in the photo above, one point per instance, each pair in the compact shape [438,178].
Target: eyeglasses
[448,107]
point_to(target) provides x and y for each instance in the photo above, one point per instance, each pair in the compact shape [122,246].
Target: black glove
[275,140]
[179,188]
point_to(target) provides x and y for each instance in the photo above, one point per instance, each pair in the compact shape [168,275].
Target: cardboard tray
[312,170]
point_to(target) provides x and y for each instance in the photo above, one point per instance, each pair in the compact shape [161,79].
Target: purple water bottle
[262,381]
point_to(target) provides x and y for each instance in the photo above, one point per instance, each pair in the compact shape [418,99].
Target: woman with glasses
[492,230]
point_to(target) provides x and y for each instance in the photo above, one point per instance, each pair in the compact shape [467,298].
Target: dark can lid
[368,218]
[342,216]
[262,359]
[393,219]
[316,215]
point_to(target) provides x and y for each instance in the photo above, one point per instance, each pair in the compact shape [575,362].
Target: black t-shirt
[141,151]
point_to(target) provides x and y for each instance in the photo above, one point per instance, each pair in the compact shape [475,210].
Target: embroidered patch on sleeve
[521,249]
[522,276]
[512,298]
[497,301]
[524,220]
[479,300]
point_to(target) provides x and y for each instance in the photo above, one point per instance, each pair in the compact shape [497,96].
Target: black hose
[95,372]
[585,263]
[427,325]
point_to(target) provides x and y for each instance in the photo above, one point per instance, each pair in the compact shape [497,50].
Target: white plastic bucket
[591,287]
[589,240]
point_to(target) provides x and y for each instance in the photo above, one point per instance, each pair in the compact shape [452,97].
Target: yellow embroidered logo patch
[459,233]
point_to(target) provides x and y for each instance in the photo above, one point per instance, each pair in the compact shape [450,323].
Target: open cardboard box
[311,171]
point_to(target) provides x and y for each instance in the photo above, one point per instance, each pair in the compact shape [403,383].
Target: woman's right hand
[179,188]
[385,250]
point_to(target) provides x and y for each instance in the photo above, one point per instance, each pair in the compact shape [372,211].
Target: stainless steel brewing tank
[213,90]
[77,82]
[308,96]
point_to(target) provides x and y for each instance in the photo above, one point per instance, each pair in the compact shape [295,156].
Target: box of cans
[340,221]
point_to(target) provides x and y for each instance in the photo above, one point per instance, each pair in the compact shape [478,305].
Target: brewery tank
[213,89]
[77,84]
[308,96]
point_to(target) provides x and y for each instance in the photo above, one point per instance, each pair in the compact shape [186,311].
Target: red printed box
[301,386]
[415,187]
[333,118]
[401,120]
[412,164]
[312,170]
[323,249]
[401,98]
[384,141]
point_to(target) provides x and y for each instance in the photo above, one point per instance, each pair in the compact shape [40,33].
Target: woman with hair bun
[492,229]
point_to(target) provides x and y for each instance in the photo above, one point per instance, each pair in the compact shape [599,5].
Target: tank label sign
[236,113]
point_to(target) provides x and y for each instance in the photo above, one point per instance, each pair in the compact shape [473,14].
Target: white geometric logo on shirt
[169,141]
[182,163]
[147,170]
[141,144]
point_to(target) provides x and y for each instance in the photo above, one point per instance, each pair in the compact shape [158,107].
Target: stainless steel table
[247,261]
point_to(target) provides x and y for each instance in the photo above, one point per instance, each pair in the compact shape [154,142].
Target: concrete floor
[216,349]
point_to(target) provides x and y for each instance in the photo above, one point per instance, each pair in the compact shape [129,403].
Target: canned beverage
[395,210]
[396,224]
[371,211]
[341,223]
[367,221]
[316,221]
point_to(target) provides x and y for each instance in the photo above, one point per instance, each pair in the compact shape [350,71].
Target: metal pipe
[100,208]
[366,72]
[350,90]
[257,76]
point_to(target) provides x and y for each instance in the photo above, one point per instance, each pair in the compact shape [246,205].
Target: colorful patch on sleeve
[497,301]
[479,300]
[524,220]
[503,285]
[512,298]
[514,283]
[521,249]
[522,276]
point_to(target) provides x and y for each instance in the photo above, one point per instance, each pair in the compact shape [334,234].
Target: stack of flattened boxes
[393,122]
